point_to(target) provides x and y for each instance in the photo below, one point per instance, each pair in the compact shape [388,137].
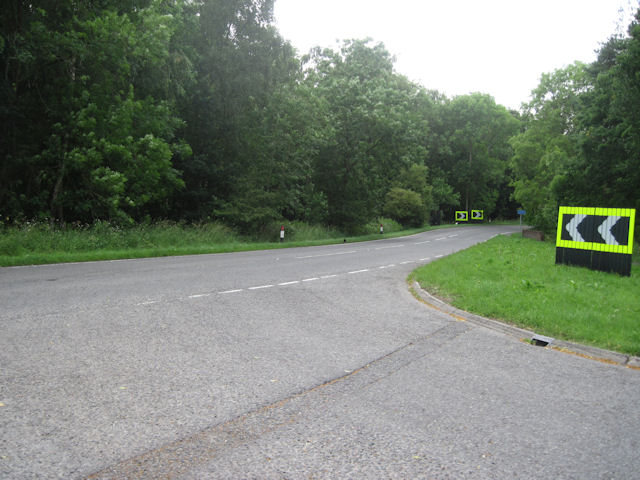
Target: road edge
[585,351]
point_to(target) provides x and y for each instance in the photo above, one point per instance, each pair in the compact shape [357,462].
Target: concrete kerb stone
[584,351]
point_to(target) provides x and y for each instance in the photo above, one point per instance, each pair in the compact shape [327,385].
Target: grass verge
[38,243]
[515,280]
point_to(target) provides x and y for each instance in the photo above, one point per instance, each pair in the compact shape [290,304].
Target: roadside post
[282,234]
[521,212]
[381,229]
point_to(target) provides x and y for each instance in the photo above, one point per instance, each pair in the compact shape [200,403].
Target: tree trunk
[56,208]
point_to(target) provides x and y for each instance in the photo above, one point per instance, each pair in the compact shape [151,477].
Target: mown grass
[515,280]
[38,243]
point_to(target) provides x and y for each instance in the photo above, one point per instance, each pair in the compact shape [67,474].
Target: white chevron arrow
[572,227]
[605,230]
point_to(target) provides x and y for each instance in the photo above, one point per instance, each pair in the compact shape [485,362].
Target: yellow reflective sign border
[462,216]
[480,214]
[605,212]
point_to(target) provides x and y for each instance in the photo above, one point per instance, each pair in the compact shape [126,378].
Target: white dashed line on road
[327,254]
[420,243]
[284,284]
[231,291]
[310,279]
[389,246]
[260,287]
[359,271]
[200,295]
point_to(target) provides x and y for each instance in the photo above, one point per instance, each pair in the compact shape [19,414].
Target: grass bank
[515,280]
[39,243]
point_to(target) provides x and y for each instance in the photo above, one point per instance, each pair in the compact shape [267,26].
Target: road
[293,363]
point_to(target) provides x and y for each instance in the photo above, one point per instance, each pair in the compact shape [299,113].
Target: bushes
[405,206]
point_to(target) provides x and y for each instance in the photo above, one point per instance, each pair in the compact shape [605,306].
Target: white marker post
[282,234]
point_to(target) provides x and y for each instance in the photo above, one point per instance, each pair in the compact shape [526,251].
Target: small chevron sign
[599,238]
[477,214]
[462,216]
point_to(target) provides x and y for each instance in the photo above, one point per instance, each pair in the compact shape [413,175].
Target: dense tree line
[580,144]
[128,110]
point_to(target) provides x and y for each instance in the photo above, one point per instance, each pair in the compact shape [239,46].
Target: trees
[243,66]
[374,128]
[580,144]
[607,173]
[545,151]
[130,109]
[473,150]
[82,144]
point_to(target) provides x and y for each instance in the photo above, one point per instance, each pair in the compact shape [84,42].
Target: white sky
[500,47]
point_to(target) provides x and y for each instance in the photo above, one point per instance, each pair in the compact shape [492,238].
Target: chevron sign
[477,214]
[599,238]
[462,216]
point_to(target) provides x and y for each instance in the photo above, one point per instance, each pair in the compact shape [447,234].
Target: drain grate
[541,340]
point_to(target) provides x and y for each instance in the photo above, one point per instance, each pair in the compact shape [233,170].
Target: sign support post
[521,212]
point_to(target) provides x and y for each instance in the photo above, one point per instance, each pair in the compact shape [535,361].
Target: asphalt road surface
[286,364]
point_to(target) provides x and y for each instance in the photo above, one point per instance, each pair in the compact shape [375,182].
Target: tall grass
[36,243]
[41,238]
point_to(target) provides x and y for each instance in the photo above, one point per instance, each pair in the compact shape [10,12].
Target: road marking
[283,284]
[441,238]
[310,279]
[451,236]
[424,259]
[359,271]
[439,256]
[260,287]
[200,295]
[231,291]
[327,254]
[420,243]
[148,303]
[390,246]
[329,276]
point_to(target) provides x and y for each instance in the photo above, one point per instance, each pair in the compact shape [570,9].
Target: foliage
[545,150]
[195,110]
[405,206]
[580,144]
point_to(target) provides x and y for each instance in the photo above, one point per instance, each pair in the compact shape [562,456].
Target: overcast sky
[500,47]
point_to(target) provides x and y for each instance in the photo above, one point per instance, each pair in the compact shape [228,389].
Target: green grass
[515,280]
[38,243]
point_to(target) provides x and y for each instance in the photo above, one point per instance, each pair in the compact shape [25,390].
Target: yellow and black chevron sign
[598,238]
[477,214]
[462,216]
